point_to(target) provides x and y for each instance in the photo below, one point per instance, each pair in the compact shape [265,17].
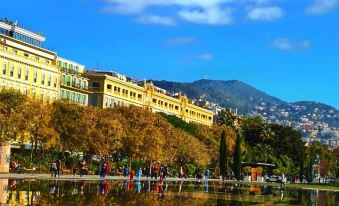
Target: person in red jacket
[108,168]
[131,175]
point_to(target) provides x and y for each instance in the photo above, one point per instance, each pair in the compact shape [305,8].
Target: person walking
[103,170]
[161,173]
[58,166]
[207,174]
[108,168]
[125,171]
[139,173]
[83,168]
[181,172]
[53,169]
[131,175]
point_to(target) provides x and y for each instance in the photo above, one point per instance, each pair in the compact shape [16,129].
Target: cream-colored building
[26,66]
[34,71]
[110,89]
[74,85]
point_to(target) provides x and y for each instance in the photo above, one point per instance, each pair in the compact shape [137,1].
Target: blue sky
[287,48]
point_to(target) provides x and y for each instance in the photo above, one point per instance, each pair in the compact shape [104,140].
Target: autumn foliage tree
[39,126]
[12,125]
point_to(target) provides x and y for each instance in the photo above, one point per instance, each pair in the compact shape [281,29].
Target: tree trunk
[31,157]
[150,167]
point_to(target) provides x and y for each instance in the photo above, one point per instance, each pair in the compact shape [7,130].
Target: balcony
[71,71]
[74,85]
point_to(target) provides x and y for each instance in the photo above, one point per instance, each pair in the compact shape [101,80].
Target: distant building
[110,89]
[74,84]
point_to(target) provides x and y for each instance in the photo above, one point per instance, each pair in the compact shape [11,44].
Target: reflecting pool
[108,192]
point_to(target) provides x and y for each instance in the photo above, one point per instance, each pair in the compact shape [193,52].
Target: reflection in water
[107,192]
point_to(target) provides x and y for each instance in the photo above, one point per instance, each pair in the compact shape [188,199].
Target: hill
[229,94]
[253,102]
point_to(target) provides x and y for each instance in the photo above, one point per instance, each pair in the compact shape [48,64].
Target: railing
[78,86]
[71,71]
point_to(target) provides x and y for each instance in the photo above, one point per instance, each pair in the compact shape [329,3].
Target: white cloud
[265,13]
[180,41]
[212,15]
[322,6]
[154,19]
[205,57]
[213,12]
[136,6]
[284,44]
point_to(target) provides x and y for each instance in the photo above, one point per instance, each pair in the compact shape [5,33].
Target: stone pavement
[88,177]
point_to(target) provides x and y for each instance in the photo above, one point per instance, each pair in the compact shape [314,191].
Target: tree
[237,157]
[12,123]
[38,119]
[302,165]
[69,121]
[255,131]
[326,159]
[228,118]
[223,154]
[103,134]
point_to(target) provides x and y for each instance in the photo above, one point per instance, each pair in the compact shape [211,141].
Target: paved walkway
[87,177]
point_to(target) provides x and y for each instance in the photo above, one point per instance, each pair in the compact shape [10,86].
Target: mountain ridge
[249,100]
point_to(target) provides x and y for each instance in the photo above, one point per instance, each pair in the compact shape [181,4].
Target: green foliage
[223,154]
[228,118]
[237,158]
[179,123]
[255,131]
[190,169]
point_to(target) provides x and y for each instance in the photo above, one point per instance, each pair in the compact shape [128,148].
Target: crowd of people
[155,171]
[15,167]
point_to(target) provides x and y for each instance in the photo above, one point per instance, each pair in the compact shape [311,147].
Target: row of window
[176,107]
[68,80]
[110,102]
[26,55]
[4,31]
[125,92]
[43,95]
[197,114]
[21,73]
[70,67]
[26,39]
[165,104]
[74,97]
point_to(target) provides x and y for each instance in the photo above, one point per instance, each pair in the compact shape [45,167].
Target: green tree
[255,131]
[223,154]
[228,118]
[302,165]
[237,158]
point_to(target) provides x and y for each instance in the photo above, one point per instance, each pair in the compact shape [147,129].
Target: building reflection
[10,195]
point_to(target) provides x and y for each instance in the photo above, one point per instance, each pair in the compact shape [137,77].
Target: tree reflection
[107,192]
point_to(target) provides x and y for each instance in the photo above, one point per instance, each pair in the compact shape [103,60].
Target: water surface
[147,193]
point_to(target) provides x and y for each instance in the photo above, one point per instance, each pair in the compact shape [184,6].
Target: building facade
[30,69]
[26,67]
[110,89]
[74,85]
